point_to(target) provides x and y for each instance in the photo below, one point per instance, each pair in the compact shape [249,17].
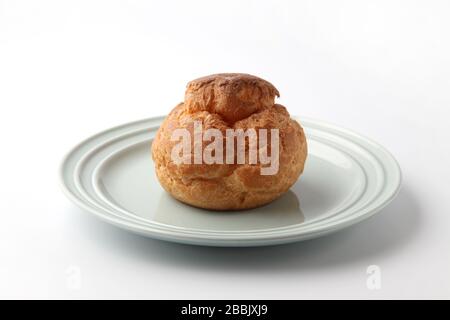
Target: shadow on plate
[385,233]
[282,212]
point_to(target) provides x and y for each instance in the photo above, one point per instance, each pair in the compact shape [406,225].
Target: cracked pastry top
[229,101]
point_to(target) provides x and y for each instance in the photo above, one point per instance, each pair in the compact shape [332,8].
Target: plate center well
[127,181]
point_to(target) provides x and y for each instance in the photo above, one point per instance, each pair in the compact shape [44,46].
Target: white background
[69,69]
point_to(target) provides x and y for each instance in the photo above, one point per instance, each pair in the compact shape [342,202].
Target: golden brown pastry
[229,101]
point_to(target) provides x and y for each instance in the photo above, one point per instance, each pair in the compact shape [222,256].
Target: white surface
[346,179]
[70,69]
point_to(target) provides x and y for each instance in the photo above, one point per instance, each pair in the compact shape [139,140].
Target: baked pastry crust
[229,101]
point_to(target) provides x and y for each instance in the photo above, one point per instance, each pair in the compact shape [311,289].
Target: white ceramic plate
[347,178]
